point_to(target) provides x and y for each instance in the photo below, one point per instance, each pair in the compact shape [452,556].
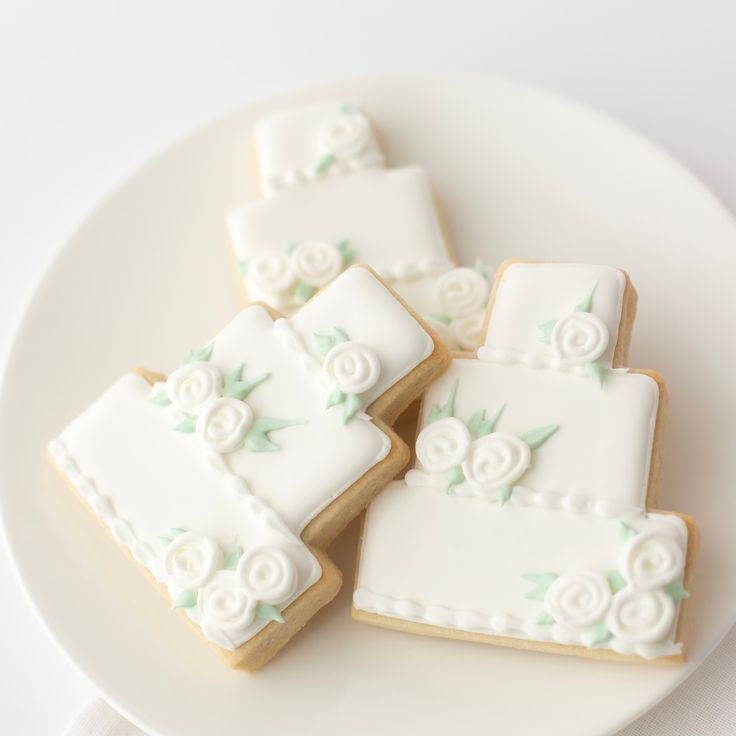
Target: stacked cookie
[524,520]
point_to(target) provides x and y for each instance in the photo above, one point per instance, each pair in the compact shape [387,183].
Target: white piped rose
[268,574]
[461,291]
[651,560]
[270,272]
[495,460]
[579,599]
[191,559]
[641,616]
[467,331]
[443,445]
[579,338]
[223,424]
[345,135]
[351,367]
[192,386]
[224,604]
[316,263]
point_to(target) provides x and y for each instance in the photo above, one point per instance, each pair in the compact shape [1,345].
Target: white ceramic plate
[519,173]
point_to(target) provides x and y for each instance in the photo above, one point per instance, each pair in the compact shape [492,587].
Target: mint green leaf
[166,541]
[340,335]
[544,619]
[241,389]
[175,531]
[267,612]
[599,635]
[537,437]
[324,343]
[504,494]
[257,439]
[304,292]
[324,163]
[235,374]
[616,581]
[290,248]
[546,329]
[625,532]
[346,252]
[350,407]
[443,318]
[445,410]
[185,599]
[479,426]
[160,399]
[336,397]
[541,581]
[231,559]
[242,267]
[187,426]
[198,356]
[596,371]
[347,109]
[480,267]
[587,304]
[454,477]
[676,591]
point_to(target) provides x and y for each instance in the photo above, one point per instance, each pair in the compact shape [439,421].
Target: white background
[91,89]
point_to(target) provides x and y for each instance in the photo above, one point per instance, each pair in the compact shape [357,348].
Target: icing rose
[496,460]
[578,599]
[579,338]
[223,424]
[191,559]
[461,291]
[650,560]
[467,330]
[192,386]
[345,135]
[268,574]
[316,263]
[641,616]
[443,444]
[352,367]
[225,605]
[270,272]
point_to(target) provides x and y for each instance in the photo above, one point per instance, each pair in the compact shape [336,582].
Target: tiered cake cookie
[227,479]
[328,202]
[525,521]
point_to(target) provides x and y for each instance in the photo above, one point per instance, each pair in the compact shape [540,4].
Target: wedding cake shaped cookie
[526,519]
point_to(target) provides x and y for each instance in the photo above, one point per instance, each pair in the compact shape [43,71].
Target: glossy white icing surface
[289,145]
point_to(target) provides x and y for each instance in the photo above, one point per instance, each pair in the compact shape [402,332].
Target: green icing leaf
[596,371]
[198,356]
[587,304]
[454,477]
[347,109]
[676,591]
[325,162]
[304,292]
[340,335]
[625,532]
[267,612]
[257,439]
[231,559]
[479,426]
[445,410]
[324,343]
[537,437]
[542,581]
[238,389]
[346,252]
[599,634]
[187,426]
[350,407]
[242,267]
[291,247]
[616,581]
[185,599]
[443,318]
[160,399]
[544,619]
[546,329]
[175,531]
[504,494]
[166,541]
[480,267]
[336,397]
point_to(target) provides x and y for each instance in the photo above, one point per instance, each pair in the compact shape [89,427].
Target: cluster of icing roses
[290,276]
[228,592]
[489,462]
[578,339]
[349,368]
[635,603]
[213,406]
[462,297]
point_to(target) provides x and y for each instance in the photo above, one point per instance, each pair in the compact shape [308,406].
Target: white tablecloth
[90,88]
